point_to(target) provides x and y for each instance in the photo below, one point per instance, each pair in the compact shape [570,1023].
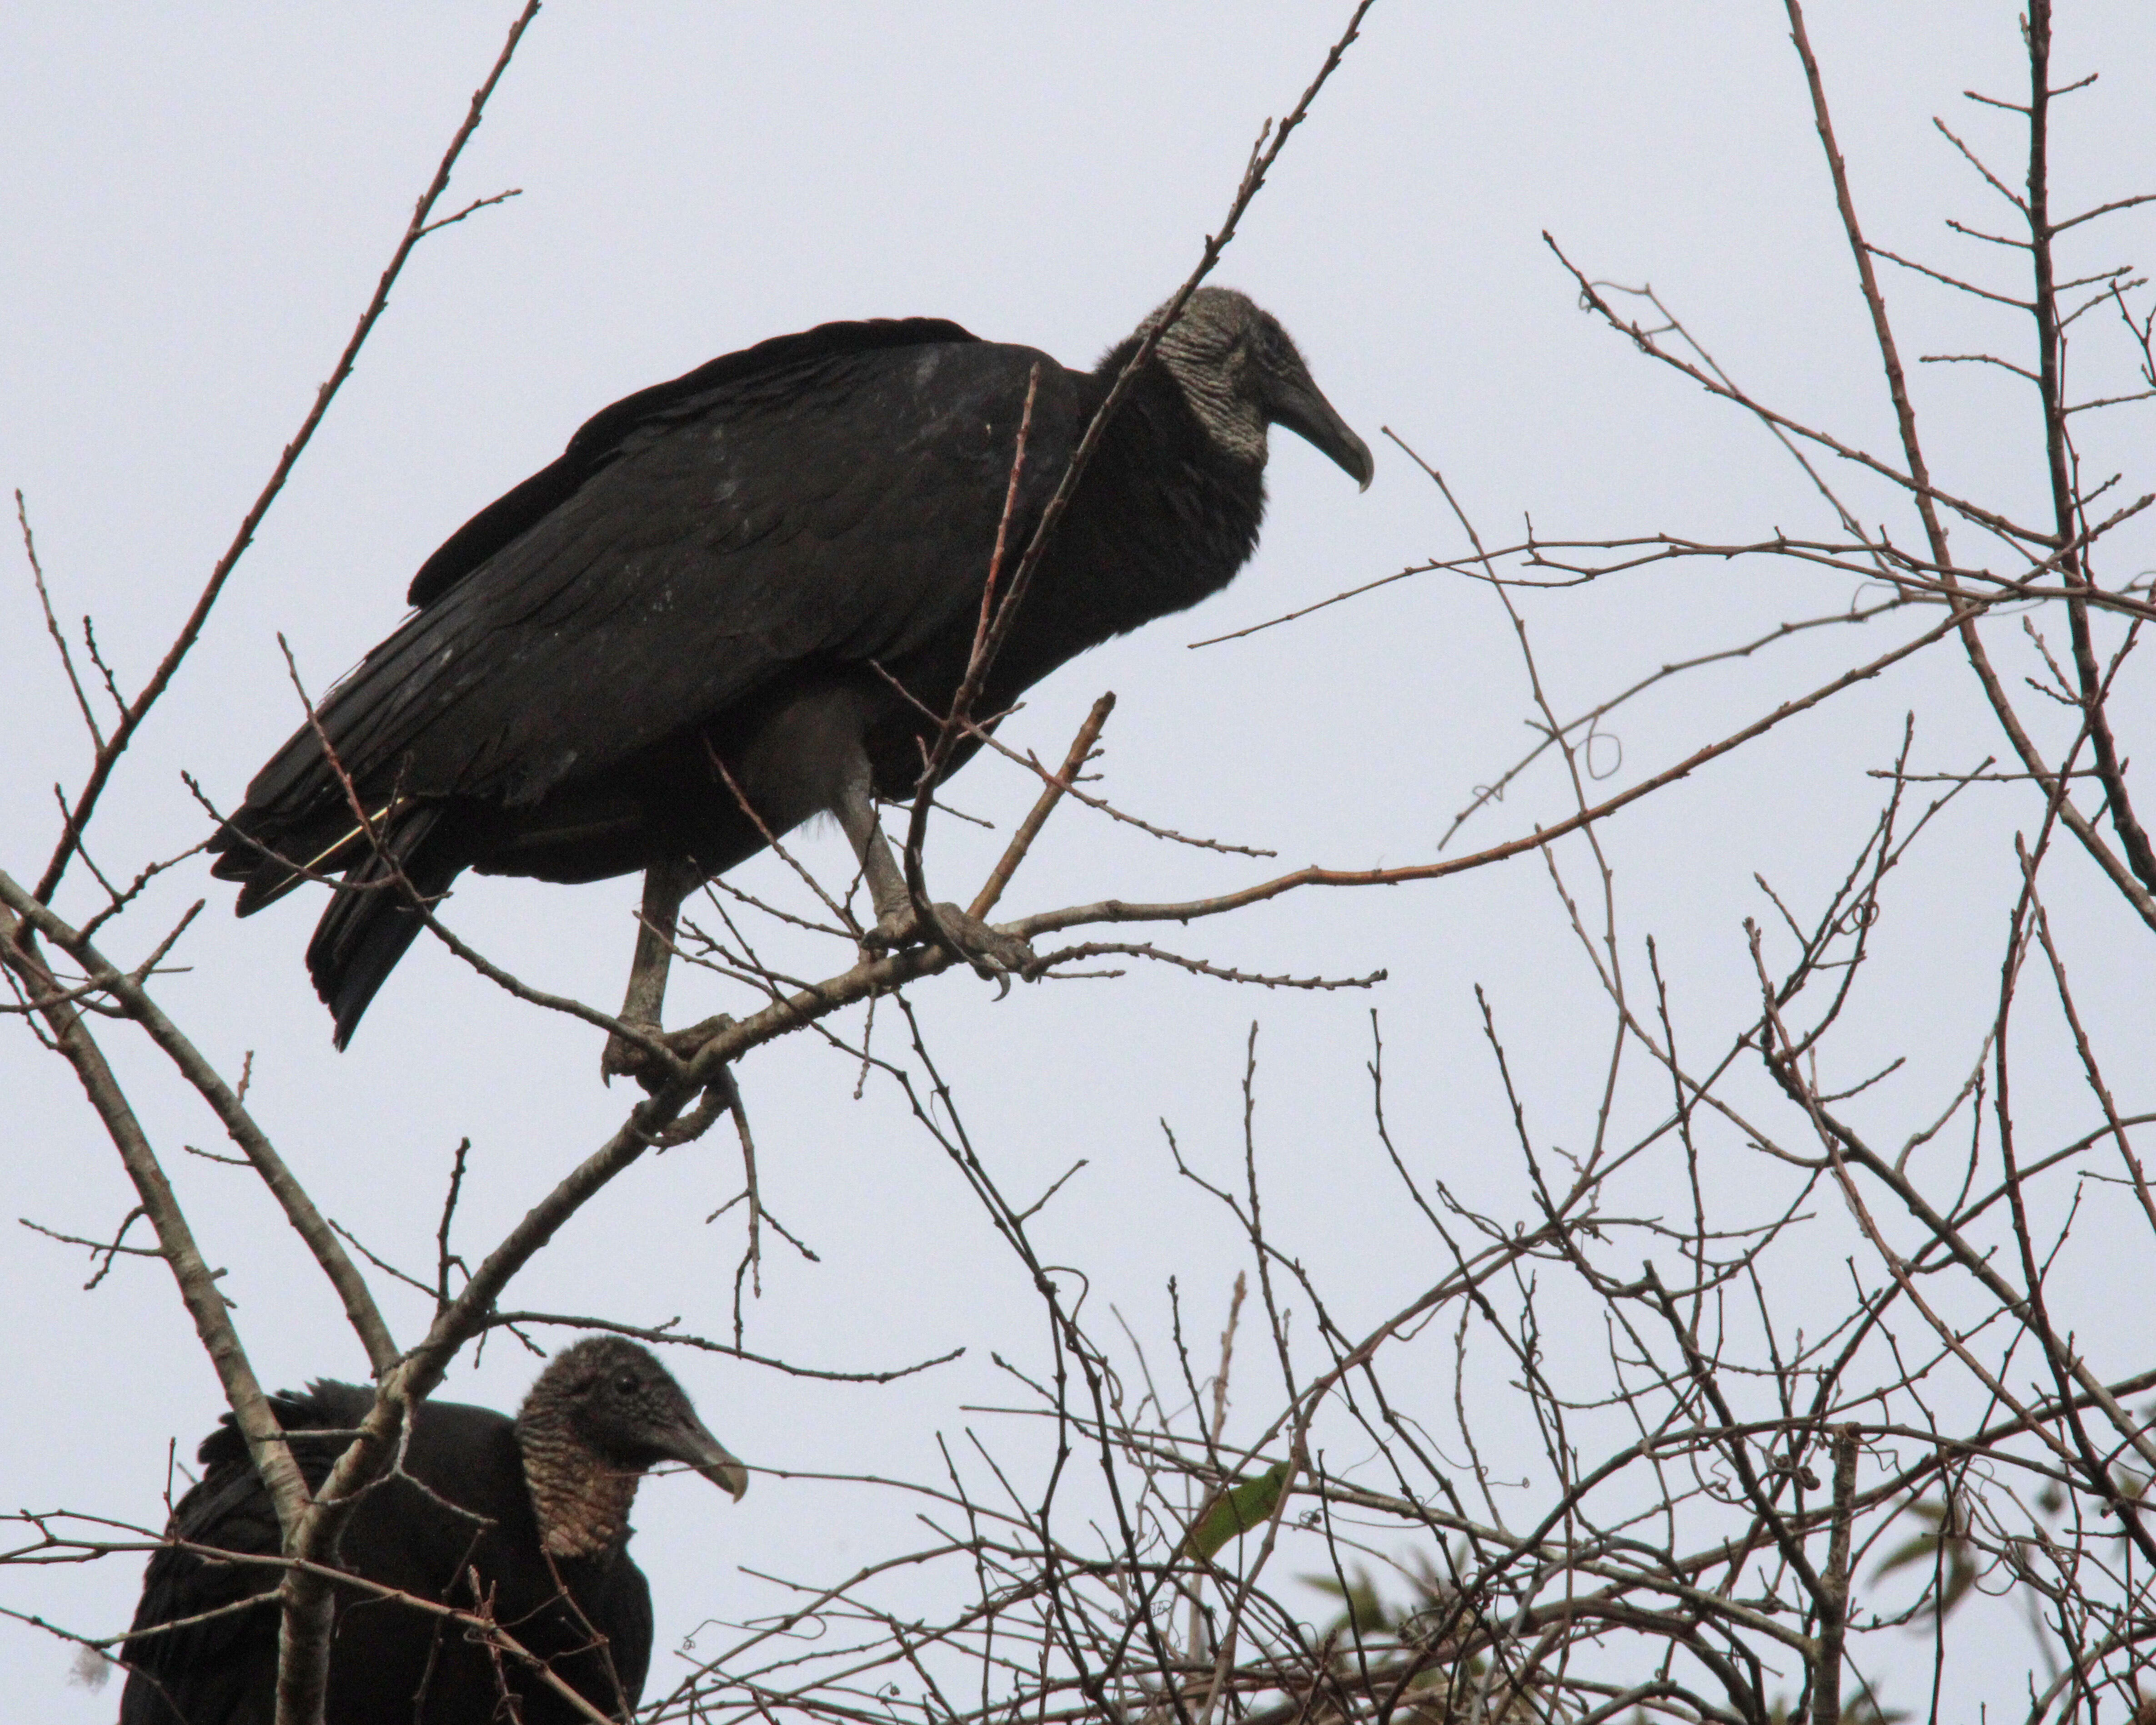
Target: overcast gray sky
[194,204]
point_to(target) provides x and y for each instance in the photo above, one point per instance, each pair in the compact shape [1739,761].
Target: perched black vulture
[731,570]
[540,1520]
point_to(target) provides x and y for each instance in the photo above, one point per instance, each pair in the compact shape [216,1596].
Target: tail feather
[323,845]
[370,921]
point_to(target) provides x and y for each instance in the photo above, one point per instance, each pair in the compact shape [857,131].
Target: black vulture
[749,586]
[532,1512]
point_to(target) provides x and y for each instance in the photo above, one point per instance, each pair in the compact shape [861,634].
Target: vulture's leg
[665,885]
[990,951]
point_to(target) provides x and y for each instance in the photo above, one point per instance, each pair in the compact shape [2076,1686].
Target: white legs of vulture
[994,954]
[665,885]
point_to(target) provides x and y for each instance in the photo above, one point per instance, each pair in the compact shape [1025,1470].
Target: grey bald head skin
[1241,372]
[603,1414]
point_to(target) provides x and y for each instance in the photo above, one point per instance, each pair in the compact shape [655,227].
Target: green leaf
[1367,1612]
[1926,1549]
[1243,1507]
[1921,1549]
[1961,1576]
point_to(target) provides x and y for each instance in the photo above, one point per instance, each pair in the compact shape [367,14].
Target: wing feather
[225,1669]
[842,510]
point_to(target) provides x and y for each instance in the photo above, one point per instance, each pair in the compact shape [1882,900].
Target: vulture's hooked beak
[690,1443]
[1297,404]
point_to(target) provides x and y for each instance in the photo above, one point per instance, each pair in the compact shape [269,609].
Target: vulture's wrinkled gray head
[1241,372]
[602,1413]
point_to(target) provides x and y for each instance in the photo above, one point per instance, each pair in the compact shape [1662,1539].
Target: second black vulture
[766,571]
[529,1515]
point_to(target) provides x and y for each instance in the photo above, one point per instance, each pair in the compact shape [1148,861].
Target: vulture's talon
[995,956]
[623,1059]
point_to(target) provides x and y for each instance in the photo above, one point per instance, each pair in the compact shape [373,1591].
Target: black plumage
[730,570]
[540,1523]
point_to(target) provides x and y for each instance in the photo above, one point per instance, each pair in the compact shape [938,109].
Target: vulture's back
[836,504]
[223,1671]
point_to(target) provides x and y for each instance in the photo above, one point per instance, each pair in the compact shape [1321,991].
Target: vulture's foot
[995,955]
[623,1058]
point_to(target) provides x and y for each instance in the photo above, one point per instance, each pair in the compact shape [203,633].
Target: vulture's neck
[580,1499]
[1177,494]
[1191,402]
